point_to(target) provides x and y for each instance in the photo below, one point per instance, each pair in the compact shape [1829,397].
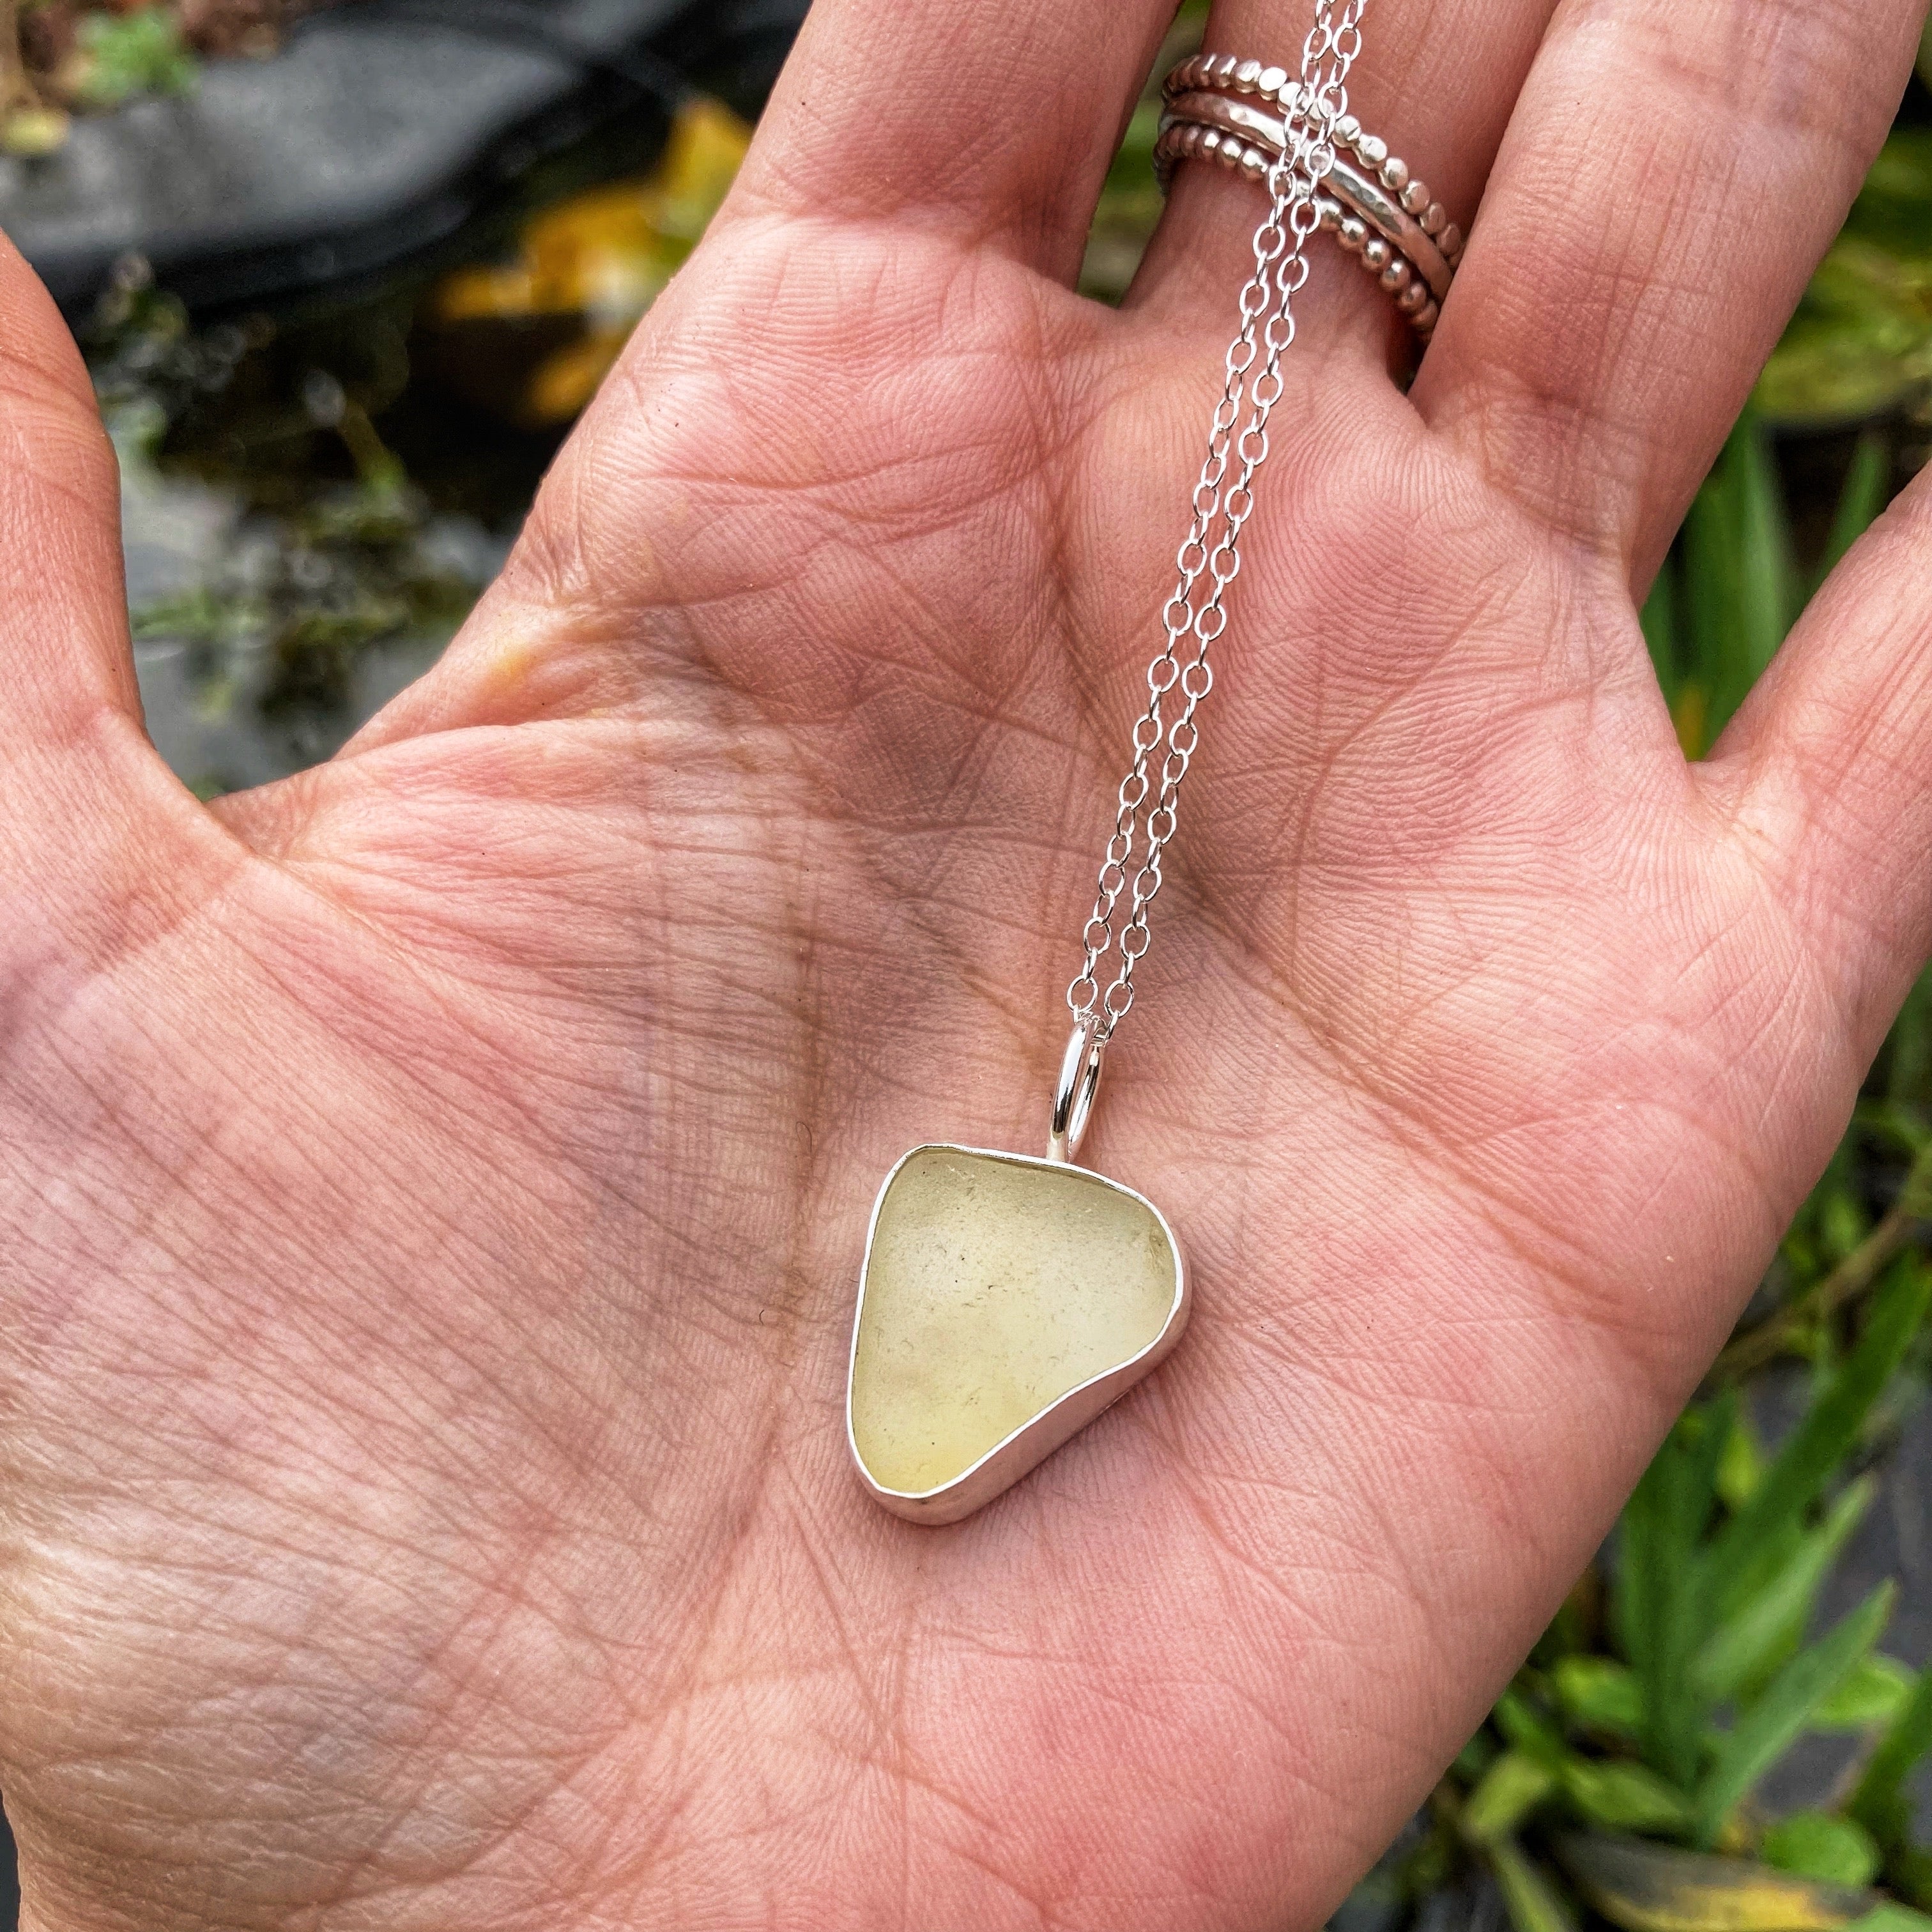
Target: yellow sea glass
[993,1287]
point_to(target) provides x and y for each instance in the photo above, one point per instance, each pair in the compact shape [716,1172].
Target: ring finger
[1437,79]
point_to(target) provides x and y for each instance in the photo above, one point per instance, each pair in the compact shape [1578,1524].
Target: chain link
[1210,559]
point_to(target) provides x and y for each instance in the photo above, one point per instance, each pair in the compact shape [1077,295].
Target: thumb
[60,596]
[78,782]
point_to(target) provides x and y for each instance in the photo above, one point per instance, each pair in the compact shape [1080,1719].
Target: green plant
[123,55]
[1628,1751]
[1733,584]
[321,571]
[1862,341]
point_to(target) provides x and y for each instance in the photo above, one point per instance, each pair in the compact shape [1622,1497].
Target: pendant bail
[1079,1083]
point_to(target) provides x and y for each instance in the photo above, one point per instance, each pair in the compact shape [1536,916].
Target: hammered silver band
[1375,206]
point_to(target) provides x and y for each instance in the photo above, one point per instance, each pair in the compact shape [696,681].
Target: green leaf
[1842,1222]
[1770,569]
[1862,341]
[1625,1797]
[1662,1609]
[141,52]
[1664,622]
[1713,652]
[1908,1872]
[1134,156]
[1659,619]
[1646,1887]
[1534,1904]
[1476,1757]
[1891,1917]
[1815,1844]
[1876,1692]
[1909,1077]
[1765,1731]
[1527,1729]
[1742,1468]
[1600,1694]
[1893,205]
[1510,1790]
[1735,1565]
[1741,572]
[1768,1626]
[1867,490]
[1879,1803]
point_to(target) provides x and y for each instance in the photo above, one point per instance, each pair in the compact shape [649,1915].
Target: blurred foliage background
[60,58]
[1724,1730]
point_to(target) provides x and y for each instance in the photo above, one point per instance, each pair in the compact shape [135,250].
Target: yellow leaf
[1647,1888]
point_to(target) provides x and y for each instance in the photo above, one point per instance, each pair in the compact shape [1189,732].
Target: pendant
[1005,1301]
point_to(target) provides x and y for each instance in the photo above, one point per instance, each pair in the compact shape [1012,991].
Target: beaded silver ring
[1376,207]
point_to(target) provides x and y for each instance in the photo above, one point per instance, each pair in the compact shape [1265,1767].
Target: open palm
[434,1187]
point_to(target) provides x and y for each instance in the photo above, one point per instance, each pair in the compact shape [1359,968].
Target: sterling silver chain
[1210,559]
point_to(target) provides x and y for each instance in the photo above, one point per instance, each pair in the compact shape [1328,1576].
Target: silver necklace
[1006,1299]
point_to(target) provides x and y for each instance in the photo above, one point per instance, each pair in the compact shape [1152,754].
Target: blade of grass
[1661,1610]
[1534,1904]
[1714,654]
[1769,562]
[1770,1624]
[1879,1803]
[1867,486]
[1662,621]
[1742,572]
[1846,1282]
[1909,1077]
[1765,1731]
[1659,619]
[1819,1443]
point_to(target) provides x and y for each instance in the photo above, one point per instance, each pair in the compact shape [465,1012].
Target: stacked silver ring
[1215,108]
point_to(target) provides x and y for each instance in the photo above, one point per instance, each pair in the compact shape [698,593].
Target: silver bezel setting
[1029,1445]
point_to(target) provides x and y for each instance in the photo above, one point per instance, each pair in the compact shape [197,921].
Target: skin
[434,1187]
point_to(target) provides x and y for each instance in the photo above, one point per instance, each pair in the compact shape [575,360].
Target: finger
[80,788]
[985,124]
[1436,79]
[1670,177]
[69,663]
[1834,750]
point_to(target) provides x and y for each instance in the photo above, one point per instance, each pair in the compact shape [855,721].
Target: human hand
[434,1187]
